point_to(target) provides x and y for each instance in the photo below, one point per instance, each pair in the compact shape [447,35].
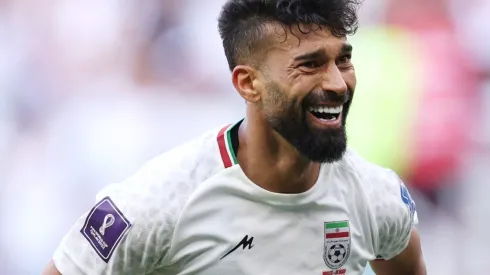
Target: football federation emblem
[337,244]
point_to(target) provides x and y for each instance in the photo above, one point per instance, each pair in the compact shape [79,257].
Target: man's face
[309,82]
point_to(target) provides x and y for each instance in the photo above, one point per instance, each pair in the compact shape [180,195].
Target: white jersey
[193,211]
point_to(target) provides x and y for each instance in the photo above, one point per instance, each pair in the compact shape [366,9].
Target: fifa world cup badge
[104,228]
[337,244]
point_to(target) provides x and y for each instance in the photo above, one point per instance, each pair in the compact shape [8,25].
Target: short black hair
[241,22]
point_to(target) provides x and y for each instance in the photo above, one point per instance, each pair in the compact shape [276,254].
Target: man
[275,193]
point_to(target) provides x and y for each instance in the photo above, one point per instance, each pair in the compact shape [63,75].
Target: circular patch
[336,255]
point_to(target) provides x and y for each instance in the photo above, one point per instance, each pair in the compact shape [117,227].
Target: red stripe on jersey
[225,157]
[337,235]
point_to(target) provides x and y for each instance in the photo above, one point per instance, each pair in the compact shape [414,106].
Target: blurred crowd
[90,90]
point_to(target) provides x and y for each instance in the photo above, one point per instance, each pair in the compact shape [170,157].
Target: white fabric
[187,211]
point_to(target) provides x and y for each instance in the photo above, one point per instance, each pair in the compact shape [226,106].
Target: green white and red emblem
[337,244]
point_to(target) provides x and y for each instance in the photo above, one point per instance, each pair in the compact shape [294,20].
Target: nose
[333,81]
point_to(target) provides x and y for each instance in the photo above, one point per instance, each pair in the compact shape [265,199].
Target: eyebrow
[346,48]
[312,55]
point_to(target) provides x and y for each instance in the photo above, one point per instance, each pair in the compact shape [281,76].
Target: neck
[270,161]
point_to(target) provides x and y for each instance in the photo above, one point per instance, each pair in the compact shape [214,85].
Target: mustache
[314,98]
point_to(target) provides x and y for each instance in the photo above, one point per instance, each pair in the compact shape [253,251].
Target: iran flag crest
[337,244]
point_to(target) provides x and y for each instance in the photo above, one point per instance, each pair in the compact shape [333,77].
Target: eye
[310,64]
[345,59]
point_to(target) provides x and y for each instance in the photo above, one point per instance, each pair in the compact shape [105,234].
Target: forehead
[298,40]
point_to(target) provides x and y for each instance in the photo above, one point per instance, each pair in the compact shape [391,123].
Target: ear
[245,80]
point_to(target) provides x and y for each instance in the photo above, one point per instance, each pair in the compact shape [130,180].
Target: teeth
[328,119]
[329,110]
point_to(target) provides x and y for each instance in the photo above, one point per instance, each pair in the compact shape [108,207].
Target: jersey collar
[228,144]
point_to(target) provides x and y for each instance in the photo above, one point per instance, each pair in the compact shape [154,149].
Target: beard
[288,118]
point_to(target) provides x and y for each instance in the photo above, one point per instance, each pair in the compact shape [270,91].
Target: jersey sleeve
[396,215]
[125,232]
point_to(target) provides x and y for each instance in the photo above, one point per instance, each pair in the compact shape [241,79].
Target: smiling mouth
[326,113]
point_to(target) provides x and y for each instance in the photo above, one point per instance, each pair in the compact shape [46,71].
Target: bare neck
[270,161]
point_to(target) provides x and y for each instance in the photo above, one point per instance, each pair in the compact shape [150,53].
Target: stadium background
[91,89]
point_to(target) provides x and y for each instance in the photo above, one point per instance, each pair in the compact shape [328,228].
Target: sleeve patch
[105,227]
[407,199]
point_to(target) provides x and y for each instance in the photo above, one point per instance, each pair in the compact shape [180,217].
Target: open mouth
[326,113]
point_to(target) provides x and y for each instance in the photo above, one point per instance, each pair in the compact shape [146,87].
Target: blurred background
[90,90]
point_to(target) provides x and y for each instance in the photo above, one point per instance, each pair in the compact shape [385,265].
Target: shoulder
[390,202]
[387,195]
[130,228]
[381,185]
[163,184]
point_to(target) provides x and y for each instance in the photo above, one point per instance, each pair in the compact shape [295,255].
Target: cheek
[305,84]
[274,97]
[281,103]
